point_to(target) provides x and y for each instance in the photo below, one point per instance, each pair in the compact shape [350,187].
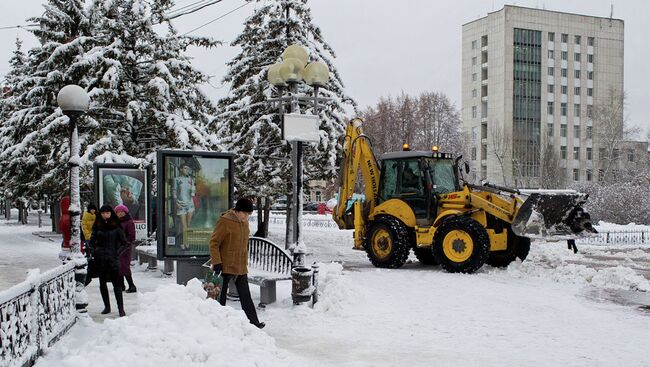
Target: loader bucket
[553,216]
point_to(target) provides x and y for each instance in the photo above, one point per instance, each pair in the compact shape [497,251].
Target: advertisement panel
[194,188]
[117,184]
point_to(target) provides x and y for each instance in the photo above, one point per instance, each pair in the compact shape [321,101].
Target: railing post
[314,282]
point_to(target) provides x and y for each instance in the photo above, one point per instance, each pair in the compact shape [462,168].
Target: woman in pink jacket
[125,258]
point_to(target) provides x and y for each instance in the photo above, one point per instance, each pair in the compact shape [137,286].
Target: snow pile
[612,227]
[558,264]
[336,293]
[175,326]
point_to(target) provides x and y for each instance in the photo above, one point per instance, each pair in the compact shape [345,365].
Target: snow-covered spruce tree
[35,137]
[251,124]
[144,88]
[8,103]
[10,89]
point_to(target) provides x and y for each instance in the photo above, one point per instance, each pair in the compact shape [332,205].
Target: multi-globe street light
[286,76]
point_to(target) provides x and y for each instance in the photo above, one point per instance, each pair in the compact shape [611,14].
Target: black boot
[132,288]
[120,301]
[103,290]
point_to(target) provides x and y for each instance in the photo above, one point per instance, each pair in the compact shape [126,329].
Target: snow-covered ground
[556,308]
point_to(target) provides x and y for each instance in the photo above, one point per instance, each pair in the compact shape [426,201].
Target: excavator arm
[357,156]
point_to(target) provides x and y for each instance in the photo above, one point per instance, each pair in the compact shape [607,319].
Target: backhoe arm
[357,155]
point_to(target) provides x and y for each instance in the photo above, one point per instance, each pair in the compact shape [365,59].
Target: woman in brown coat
[229,255]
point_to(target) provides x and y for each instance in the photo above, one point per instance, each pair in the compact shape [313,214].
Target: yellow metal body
[359,157]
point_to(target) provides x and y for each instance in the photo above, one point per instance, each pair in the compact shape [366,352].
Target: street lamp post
[74,102]
[287,75]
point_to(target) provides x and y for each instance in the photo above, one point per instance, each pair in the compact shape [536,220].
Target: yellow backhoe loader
[417,200]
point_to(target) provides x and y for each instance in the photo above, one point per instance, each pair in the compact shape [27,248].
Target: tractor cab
[417,178]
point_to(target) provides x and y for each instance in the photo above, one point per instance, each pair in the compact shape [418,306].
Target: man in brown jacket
[229,255]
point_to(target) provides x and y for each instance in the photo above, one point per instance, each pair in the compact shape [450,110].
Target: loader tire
[425,255]
[517,247]
[461,245]
[387,243]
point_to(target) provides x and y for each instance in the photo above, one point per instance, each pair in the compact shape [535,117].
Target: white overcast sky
[385,47]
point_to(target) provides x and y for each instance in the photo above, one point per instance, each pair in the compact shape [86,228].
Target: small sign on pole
[298,127]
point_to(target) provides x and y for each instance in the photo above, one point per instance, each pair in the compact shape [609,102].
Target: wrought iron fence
[325,222]
[617,238]
[36,313]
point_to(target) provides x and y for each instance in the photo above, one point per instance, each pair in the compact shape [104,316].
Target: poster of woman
[194,188]
[128,185]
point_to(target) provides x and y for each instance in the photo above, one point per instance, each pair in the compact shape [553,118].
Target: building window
[551,36]
[474,77]
[590,92]
[550,108]
[576,131]
[576,174]
[576,91]
[590,75]
[564,73]
[630,155]
[601,154]
[589,153]
[577,39]
[590,111]
[474,45]
[474,60]
[549,130]
[590,58]
[576,153]
[564,89]
[551,54]
[565,38]
[473,153]
[474,93]
[590,41]
[590,132]
[551,71]
[576,74]
[563,152]
[576,56]
[551,88]
[565,55]
[563,110]
[563,130]
[601,175]
[474,133]
[576,112]
[474,112]
[588,175]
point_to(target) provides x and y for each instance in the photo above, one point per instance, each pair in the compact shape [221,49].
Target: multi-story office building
[531,78]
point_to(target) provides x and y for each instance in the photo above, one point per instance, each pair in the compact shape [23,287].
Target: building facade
[530,80]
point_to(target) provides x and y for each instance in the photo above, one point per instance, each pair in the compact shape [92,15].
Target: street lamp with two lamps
[297,128]
[74,102]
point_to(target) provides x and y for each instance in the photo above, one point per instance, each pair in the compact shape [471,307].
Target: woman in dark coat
[125,259]
[107,243]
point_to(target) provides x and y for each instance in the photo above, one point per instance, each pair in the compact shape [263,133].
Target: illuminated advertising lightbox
[194,189]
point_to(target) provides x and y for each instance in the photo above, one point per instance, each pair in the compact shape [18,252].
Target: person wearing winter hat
[126,222]
[229,255]
[108,242]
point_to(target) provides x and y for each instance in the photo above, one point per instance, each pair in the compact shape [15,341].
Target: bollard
[40,221]
[314,281]
[301,288]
